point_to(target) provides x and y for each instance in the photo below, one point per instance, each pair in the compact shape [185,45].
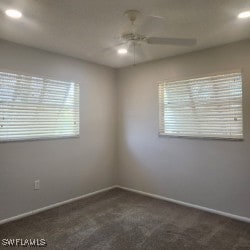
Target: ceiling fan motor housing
[133,37]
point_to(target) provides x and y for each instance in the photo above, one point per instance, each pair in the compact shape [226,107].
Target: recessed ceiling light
[244,14]
[122,51]
[13,13]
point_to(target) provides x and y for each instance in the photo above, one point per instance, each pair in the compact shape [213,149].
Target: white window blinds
[208,107]
[37,108]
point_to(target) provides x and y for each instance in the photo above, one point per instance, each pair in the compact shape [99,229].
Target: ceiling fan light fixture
[122,51]
[244,14]
[13,13]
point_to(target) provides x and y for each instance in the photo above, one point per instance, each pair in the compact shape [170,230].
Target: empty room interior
[125,124]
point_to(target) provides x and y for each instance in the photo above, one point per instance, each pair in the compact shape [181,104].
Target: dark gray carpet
[119,220]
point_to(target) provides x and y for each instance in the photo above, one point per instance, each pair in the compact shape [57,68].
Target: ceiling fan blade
[113,48]
[171,41]
[107,50]
[155,16]
[158,17]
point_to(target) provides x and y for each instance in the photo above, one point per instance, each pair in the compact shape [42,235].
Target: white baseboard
[232,216]
[39,210]
[210,210]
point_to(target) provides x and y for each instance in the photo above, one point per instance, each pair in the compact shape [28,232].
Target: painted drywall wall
[66,167]
[209,173]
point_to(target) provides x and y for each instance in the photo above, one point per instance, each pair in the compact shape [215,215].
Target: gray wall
[210,173]
[66,167]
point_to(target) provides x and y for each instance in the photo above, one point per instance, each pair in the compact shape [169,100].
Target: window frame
[195,77]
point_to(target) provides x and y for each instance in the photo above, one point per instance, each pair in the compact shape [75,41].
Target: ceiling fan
[135,38]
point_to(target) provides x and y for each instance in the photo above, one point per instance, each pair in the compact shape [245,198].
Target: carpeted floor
[120,220]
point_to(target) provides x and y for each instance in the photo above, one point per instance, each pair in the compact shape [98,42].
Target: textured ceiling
[86,28]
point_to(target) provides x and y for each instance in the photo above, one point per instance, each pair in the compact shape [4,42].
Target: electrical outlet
[37,184]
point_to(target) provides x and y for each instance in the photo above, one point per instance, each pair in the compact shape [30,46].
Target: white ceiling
[85,28]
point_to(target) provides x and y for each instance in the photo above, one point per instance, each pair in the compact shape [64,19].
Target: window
[208,107]
[36,108]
